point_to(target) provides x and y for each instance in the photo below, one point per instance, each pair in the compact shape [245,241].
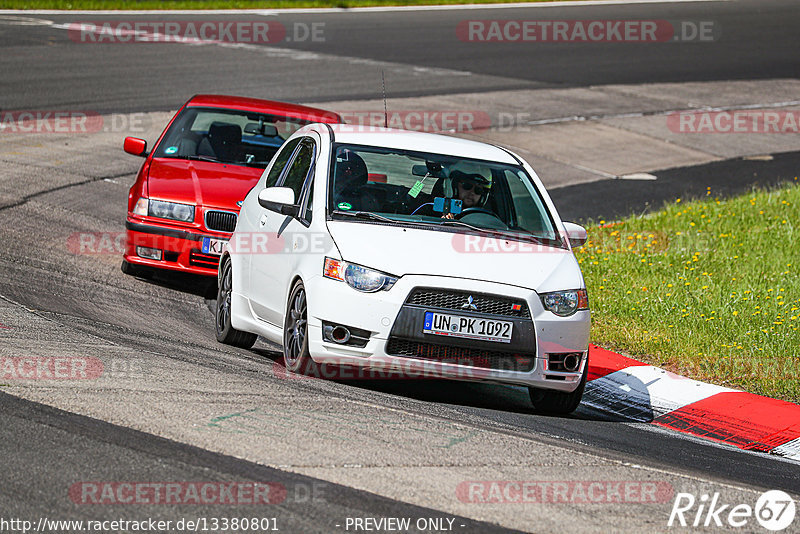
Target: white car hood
[403,251]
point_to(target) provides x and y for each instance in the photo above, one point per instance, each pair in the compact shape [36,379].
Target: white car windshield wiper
[494,231]
[365,215]
[452,222]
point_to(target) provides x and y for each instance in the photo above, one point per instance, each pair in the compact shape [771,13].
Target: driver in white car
[471,185]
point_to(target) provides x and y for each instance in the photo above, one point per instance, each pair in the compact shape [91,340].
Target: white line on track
[270,51]
[268,12]
[634,115]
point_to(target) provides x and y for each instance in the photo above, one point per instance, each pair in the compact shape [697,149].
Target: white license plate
[443,324]
[213,246]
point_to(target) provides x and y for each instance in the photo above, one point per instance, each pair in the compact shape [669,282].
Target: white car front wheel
[558,402]
[295,333]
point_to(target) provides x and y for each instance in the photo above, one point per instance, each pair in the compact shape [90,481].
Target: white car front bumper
[398,348]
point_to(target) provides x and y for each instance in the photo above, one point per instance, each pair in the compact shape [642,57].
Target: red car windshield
[226,136]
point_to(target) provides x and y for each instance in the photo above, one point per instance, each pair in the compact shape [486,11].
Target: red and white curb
[644,393]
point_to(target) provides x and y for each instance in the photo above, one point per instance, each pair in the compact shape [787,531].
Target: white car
[411,253]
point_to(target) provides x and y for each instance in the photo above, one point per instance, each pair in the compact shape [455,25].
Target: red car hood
[203,183]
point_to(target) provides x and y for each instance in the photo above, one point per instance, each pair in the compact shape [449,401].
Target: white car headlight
[168,210]
[358,277]
[565,303]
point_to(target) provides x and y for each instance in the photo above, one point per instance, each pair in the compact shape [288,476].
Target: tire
[296,357]
[222,317]
[558,402]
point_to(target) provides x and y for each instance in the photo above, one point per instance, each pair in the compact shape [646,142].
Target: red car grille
[221,221]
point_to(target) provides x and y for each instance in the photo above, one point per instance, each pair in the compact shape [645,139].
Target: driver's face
[469,194]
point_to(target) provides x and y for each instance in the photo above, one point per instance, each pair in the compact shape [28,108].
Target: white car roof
[419,141]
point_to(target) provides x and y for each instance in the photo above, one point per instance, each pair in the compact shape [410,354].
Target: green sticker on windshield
[171,150]
[344,206]
[414,191]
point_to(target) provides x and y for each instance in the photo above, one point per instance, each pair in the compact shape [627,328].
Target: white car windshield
[445,192]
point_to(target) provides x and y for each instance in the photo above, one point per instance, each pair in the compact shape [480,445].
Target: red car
[186,199]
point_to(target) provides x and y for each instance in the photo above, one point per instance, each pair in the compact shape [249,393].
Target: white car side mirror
[576,234]
[279,200]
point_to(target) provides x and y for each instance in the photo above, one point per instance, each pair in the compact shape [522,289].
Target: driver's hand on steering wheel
[448,216]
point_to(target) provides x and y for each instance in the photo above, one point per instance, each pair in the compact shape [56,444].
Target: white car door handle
[263,220]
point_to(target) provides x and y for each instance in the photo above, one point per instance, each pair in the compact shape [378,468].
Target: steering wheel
[470,211]
[483,218]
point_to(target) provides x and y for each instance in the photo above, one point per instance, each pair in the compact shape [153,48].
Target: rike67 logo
[774,510]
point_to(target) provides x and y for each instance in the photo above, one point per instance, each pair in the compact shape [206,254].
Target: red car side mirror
[134,146]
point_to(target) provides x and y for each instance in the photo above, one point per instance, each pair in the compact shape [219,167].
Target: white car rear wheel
[225,332]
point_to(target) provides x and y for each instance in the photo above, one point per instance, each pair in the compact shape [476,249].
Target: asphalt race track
[417,49]
[174,405]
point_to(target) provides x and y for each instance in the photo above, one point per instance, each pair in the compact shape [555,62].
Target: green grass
[708,289]
[224,4]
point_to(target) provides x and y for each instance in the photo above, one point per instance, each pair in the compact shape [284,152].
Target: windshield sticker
[414,191]
[344,206]
[171,150]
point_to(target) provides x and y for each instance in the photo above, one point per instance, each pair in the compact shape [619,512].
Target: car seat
[350,182]
[223,141]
